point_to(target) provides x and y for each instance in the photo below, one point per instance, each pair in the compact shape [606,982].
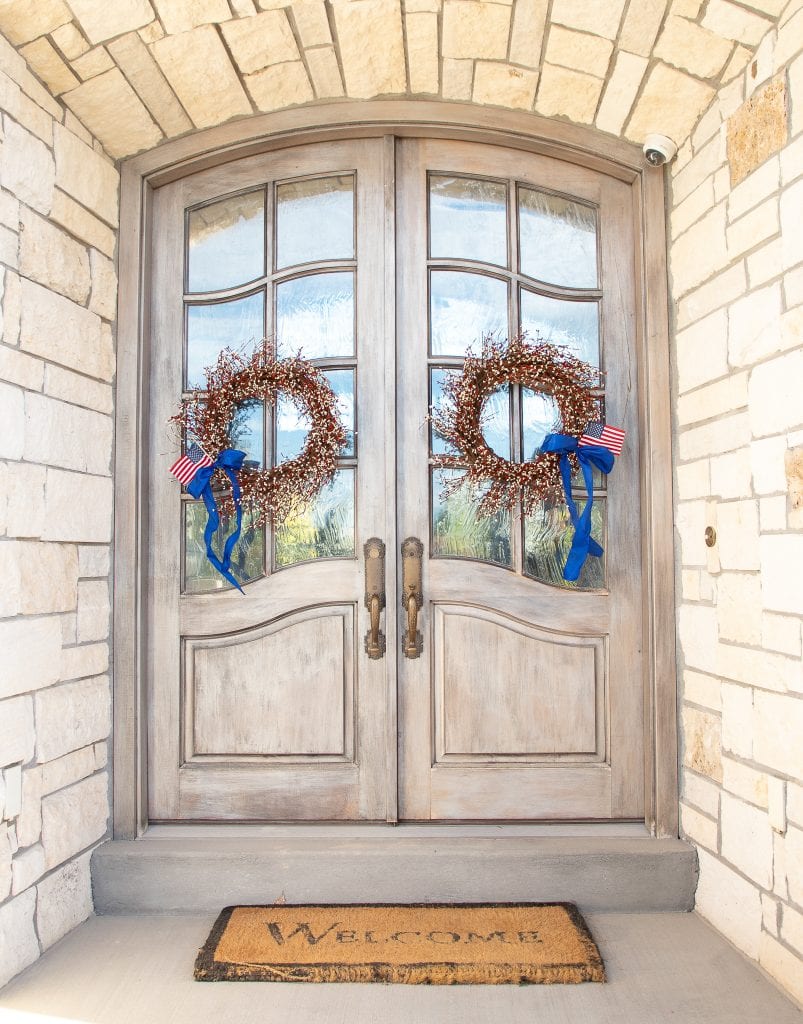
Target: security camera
[659,149]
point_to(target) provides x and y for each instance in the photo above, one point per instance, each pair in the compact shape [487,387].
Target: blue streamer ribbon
[230,460]
[583,544]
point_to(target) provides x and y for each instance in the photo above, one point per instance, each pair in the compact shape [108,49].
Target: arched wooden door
[384,261]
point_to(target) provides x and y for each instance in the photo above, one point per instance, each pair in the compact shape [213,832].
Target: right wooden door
[527,700]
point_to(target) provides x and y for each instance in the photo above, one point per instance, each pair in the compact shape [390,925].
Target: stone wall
[58,214]
[737,280]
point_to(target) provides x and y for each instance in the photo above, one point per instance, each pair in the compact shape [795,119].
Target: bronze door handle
[374,551]
[412,595]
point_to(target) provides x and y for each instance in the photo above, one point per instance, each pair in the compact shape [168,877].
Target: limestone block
[737,719]
[792,928]
[796,94]
[747,839]
[9,211]
[77,389]
[32,649]
[527,32]
[51,257]
[23,20]
[754,326]
[700,793]
[780,633]
[80,222]
[757,130]
[43,59]
[794,802]
[723,435]
[693,207]
[781,964]
[74,818]
[280,85]
[752,229]
[774,395]
[24,111]
[641,26]
[312,23]
[199,55]
[12,423]
[16,730]
[93,561]
[700,252]
[57,329]
[324,71]
[25,510]
[794,862]
[84,661]
[504,85]
[12,784]
[458,78]
[101,20]
[260,42]
[372,47]
[766,263]
[472,30]
[790,33]
[9,245]
[782,587]
[687,46]
[690,522]
[179,16]
[672,99]
[693,480]
[70,40]
[620,92]
[731,474]
[29,822]
[697,827]
[755,188]
[421,31]
[717,399]
[64,901]
[566,93]
[153,31]
[69,628]
[27,868]
[708,126]
[71,716]
[702,742]
[6,876]
[49,575]
[78,507]
[713,295]
[18,368]
[104,286]
[58,434]
[702,689]
[18,942]
[778,721]
[26,167]
[86,175]
[113,112]
[776,804]
[11,594]
[737,535]
[68,769]
[142,71]
[589,16]
[578,50]
[734,22]
[93,610]
[791,209]
[738,605]
[705,162]
[93,63]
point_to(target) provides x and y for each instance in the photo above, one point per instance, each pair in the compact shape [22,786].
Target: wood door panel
[284,689]
[503,689]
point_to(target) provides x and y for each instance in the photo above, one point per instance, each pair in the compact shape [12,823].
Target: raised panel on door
[527,700]
[266,707]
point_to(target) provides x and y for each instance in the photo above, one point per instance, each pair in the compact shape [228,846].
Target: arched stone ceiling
[138,71]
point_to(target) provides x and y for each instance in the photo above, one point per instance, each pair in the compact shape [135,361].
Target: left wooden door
[268,708]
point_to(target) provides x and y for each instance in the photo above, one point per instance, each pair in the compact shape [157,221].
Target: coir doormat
[440,944]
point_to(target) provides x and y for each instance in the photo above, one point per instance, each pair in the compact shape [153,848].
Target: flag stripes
[185,468]
[605,436]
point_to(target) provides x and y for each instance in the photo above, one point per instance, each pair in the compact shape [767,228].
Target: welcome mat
[432,944]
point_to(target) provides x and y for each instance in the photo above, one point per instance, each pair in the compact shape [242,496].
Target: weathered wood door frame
[141,175]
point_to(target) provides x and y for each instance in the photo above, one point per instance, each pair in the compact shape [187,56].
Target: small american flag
[185,468]
[605,436]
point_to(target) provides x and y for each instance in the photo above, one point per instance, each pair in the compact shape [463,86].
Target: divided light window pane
[558,239]
[315,220]
[238,324]
[226,243]
[468,219]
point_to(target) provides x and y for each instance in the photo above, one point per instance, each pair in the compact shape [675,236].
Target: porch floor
[661,968]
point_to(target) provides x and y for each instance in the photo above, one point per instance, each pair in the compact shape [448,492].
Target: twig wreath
[540,366]
[207,416]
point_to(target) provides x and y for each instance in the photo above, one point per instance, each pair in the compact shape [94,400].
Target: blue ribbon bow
[583,544]
[230,460]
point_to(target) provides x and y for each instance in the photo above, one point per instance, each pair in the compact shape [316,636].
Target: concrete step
[196,874]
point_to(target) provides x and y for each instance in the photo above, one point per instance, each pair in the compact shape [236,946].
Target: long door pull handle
[374,551]
[412,595]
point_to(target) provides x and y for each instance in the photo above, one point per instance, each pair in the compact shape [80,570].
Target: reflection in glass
[315,316]
[247,432]
[315,221]
[547,538]
[561,322]
[495,422]
[468,219]
[458,531]
[438,445]
[324,529]
[342,383]
[464,309]
[227,243]
[558,240]
[211,328]
[539,416]
[248,557]
[292,423]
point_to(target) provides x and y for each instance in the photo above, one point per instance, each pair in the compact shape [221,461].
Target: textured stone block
[778,724]
[70,40]
[672,99]
[578,50]
[422,52]
[279,86]
[71,716]
[738,604]
[86,660]
[372,46]
[86,175]
[754,326]
[473,30]
[641,26]
[737,719]
[93,610]
[734,22]
[752,229]
[64,901]
[58,434]
[774,395]
[82,223]
[23,370]
[29,822]
[781,963]
[57,329]
[700,252]
[49,576]
[589,16]
[687,46]
[27,868]
[312,23]
[142,71]
[700,793]
[504,85]
[31,654]
[721,398]
[729,902]
[745,782]
[757,130]
[52,258]
[46,63]
[115,115]
[25,500]
[791,212]
[93,560]
[702,743]
[12,423]
[259,42]
[74,818]
[737,535]
[782,587]
[325,72]
[697,827]
[620,92]
[572,94]
[18,939]
[77,389]
[68,769]
[23,20]
[78,507]
[731,474]
[527,31]
[16,730]
[717,292]
[723,435]
[26,167]
[458,79]
[101,21]
[93,63]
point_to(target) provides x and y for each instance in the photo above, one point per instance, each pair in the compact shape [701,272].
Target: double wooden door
[385,261]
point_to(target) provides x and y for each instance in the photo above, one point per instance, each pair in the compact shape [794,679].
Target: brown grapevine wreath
[207,416]
[538,365]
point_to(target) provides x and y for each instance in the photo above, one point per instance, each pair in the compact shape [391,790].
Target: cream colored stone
[12,801]
[700,793]
[470,30]
[737,720]
[758,668]
[782,588]
[693,207]
[697,827]
[59,330]
[781,633]
[114,113]
[69,40]
[796,95]
[620,92]
[776,799]
[312,23]
[737,535]
[24,111]
[58,434]
[9,211]
[196,56]
[527,32]
[18,368]
[690,523]
[690,584]
[778,724]
[702,165]
[68,769]
[280,85]
[794,802]
[641,26]
[25,513]
[85,175]
[372,46]
[69,718]
[26,167]
[788,44]
[792,928]
[422,52]
[42,57]
[792,156]
[74,819]
[774,395]
[754,189]
[10,595]
[578,50]
[93,610]
[566,93]
[103,300]
[791,213]
[18,937]
[702,745]
[80,222]
[12,431]
[324,72]
[589,16]
[31,649]
[93,63]
[260,42]
[703,690]
[84,661]
[17,735]
[734,22]
[458,79]
[52,258]
[753,229]
[767,457]
[180,16]
[78,508]
[793,288]
[23,20]
[754,326]
[151,32]
[28,867]
[693,480]
[708,126]
[94,560]
[725,396]
[29,822]
[690,97]
[766,263]
[49,575]
[65,900]
[9,244]
[687,46]
[702,353]
[711,296]
[700,252]
[504,85]
[747,839]
[738,606]
[781,964]
[101,20]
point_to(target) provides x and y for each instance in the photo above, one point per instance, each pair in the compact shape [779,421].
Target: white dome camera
[659,149]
